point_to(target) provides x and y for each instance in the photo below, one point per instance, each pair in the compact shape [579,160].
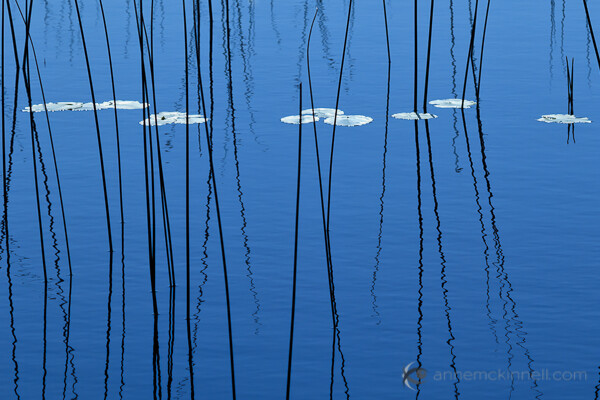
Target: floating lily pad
[87,107]
[322,112]
[563,119]
[59,106]
[452,103]
[122,105]
[349,120]
[173,117]
[413,116]
[78,106]
[295,119]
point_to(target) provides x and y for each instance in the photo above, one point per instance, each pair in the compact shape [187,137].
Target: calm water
[499,275]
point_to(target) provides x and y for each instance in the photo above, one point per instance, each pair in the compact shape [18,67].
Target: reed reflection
[420,262]
[376,313]
[457,167]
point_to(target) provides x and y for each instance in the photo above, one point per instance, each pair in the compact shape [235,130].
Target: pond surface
[467,247]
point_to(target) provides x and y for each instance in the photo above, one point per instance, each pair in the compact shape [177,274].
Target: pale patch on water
[78,106]
[414,116]
[564,119]
[295,119]
[173,117]
[322,112]
[452,103]
[349,120]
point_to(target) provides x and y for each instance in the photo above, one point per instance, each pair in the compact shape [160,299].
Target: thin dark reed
[114,93]
[27,82]
[570,78]
[162,183]
[100,152]
[325,235]
[571,86]
[334,313]
[60,196]
[428,56]
[337,103]
[416,56]
[568,87]
[149,216]
[149,187]
[487,13]
[295,273]
[215,186]
[589,21]
[470,53]
[387,32]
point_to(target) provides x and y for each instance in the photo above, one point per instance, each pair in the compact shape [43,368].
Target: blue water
[499,275]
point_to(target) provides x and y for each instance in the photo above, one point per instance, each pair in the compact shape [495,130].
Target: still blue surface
[507,280]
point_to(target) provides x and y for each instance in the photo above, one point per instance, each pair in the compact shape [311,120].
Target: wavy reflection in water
[562,35]
[234,133]
[246,52]
[421,248]
[443,275]
[323,24]
[108,324]
[274,24]
[597,391]
[552,37]
[5,236]
[513,326]
[171,341]
[457,167]
[301,50]
[123,329]
[376,313]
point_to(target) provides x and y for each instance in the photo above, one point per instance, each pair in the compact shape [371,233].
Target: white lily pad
[87,107]
[59,106]
[173,117]
[414,116]
[295,119]
[322,112]
[452,103]
[78,106]
[349,120]
[122,105]
[564,119]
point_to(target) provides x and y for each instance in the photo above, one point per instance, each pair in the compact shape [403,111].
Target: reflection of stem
[380,234]
[443,276]
[420,215]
